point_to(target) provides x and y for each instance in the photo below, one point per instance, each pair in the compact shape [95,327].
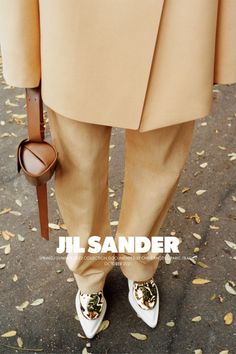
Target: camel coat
[137,64]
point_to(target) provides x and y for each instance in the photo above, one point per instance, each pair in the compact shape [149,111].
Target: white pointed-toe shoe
[91,309]
[144,298]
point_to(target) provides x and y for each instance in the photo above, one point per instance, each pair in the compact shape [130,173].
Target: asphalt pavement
[194,318]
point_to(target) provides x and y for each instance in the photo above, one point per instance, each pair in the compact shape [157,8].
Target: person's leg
[81,188]
[153,164]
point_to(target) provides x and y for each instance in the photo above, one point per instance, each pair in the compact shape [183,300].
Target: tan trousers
[153,164]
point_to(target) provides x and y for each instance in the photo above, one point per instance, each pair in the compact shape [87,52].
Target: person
[146,66]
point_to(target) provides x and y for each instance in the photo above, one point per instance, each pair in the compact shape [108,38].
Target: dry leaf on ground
[198,351]
[139,336]
[197,236]
[231,244]
[70,280]
[185,189]
[37,302]
[228,318]
[104,325]
[167,258]
[19,342]
[181,210]
[20,238]
[170,324]
[229,286]
[15,278]
[54,226]
[201,191]
[7,235]
[7,249]
[204,165]
[200,281]
[114,223]
[196,319]
[22,306]
[5,210]
[8,334]
[201,264]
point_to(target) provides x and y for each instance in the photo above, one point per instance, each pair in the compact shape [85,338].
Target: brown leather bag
[36,157]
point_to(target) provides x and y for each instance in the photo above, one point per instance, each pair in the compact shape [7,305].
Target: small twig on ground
[18,348]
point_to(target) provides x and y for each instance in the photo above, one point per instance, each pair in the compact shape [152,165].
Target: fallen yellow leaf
[104,325]
[228,318]
[8,334]
[196,319]
[139,336]
[19,342]
[200,281]
[170,324]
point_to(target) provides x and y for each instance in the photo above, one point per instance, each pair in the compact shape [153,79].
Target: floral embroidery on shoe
[145,294]
[91,305]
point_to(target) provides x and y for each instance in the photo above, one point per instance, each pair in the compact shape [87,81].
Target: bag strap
[34,107]
[43,209]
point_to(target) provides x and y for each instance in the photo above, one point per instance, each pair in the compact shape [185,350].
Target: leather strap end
[43,210]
